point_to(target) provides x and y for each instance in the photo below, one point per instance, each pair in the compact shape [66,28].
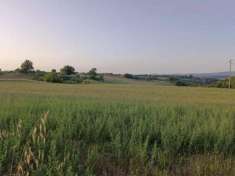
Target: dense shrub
[52,77]
[93,75]
[181,83]
[129,76]
[39,75]
[75,78]
[225,83]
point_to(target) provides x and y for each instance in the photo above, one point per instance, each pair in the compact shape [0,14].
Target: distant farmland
[116,129]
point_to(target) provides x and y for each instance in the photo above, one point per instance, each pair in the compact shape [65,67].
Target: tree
[129,76]
[67,70]
[92,73]
[26,66]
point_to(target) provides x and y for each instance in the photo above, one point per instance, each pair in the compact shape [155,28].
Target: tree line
[66,74]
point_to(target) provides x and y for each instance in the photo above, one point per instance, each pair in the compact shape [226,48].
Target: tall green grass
[83,135]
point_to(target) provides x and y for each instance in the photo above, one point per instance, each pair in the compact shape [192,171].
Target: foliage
[181,83]
[52,77]
[190,80]
[173,78]
[225,83]
[50,129]
[39,75]
[67,70]
[71,78]
[92,73]
[129,76]
[26,66]
[99,77]
[17,70]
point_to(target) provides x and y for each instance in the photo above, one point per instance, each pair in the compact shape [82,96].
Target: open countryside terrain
[115,129]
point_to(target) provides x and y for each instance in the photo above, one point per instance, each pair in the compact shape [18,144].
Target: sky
[119,36]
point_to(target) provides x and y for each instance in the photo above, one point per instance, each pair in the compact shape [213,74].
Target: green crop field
[115,129]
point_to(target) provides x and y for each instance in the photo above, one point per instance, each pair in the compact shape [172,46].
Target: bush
[225,83]
[75,79]
[129,76]
[181,83]
[52,77]
[39,75]
[93,75]
[172,79]
[100,77]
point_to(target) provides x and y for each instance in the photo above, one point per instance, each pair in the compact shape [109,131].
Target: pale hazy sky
[137,36]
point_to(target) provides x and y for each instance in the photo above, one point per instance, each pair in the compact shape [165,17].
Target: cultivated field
[116,129]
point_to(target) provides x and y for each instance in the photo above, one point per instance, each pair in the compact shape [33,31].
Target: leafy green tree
[92,73]
[67,70]
[26,66]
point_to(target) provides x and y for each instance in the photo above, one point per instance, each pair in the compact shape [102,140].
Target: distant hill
[216,75]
